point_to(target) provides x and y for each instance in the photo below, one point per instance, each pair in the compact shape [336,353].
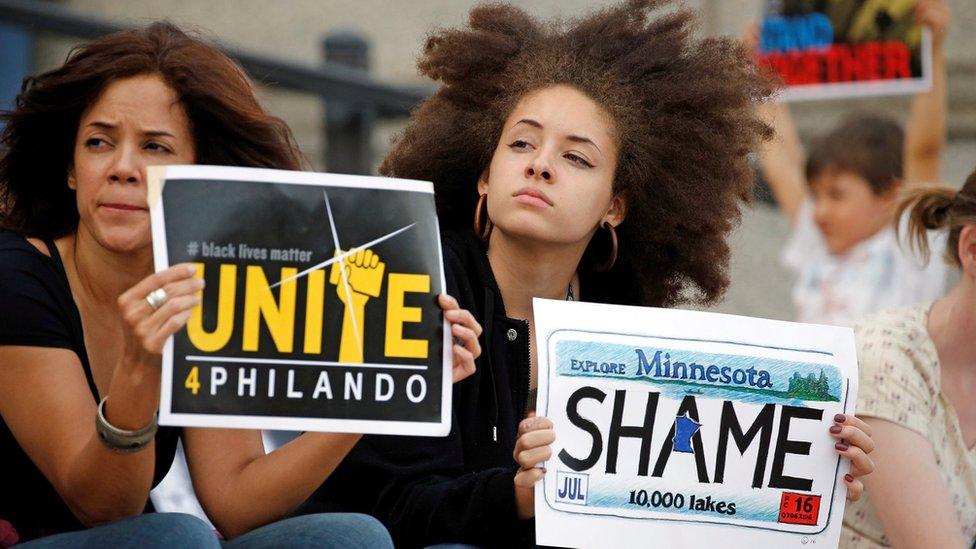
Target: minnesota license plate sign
[690,428]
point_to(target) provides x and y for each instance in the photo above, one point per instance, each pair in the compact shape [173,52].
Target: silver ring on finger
[156,298]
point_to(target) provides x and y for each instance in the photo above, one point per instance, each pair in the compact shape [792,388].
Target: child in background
[841,199]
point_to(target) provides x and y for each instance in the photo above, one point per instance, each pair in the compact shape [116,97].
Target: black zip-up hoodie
[460,488]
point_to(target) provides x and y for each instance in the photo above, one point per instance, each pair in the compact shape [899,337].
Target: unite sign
[319,311]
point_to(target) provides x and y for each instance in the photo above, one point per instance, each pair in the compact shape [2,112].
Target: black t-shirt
[36,309]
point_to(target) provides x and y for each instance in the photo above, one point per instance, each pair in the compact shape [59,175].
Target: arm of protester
[781,158]
[53,421]
[46,402]
[855,443]
[925,134]
[241,487]
[906,465]
[533,447]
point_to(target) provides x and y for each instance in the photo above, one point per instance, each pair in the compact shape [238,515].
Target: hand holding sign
[466,331]
[854,443]
[935,15]
[531,449]
[146,326]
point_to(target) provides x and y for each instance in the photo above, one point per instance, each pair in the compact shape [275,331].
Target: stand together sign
[845,48]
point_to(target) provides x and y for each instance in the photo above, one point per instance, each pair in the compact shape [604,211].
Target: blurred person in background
[918,395]
[841,198]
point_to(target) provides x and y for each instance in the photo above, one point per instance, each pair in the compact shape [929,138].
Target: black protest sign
[319,311]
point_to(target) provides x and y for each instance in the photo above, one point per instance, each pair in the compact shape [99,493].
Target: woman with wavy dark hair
[918,383]
[602,159]
[83,318]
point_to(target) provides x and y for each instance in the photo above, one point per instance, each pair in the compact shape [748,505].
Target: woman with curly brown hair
[83,317]
[603,159]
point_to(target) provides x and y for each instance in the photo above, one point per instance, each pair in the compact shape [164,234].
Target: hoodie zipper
[528,356]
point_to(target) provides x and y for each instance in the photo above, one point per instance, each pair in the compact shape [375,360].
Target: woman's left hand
[854,443]
[465,331]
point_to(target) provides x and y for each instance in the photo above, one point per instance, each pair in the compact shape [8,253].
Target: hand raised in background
[934,15]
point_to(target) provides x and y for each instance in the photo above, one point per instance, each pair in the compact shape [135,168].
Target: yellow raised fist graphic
[357,278]
[364,271]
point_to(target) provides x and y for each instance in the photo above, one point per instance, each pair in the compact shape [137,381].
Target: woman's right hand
[146,329]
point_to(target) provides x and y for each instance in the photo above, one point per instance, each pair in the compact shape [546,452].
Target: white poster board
[686,429]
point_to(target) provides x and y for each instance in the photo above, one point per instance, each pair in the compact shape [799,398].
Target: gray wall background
[293,29]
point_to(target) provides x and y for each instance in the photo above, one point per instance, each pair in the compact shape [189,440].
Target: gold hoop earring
[613,248]
[482,232]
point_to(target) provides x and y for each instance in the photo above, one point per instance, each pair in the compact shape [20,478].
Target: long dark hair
[229,127]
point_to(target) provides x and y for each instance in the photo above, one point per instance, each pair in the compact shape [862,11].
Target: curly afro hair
[683,116]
